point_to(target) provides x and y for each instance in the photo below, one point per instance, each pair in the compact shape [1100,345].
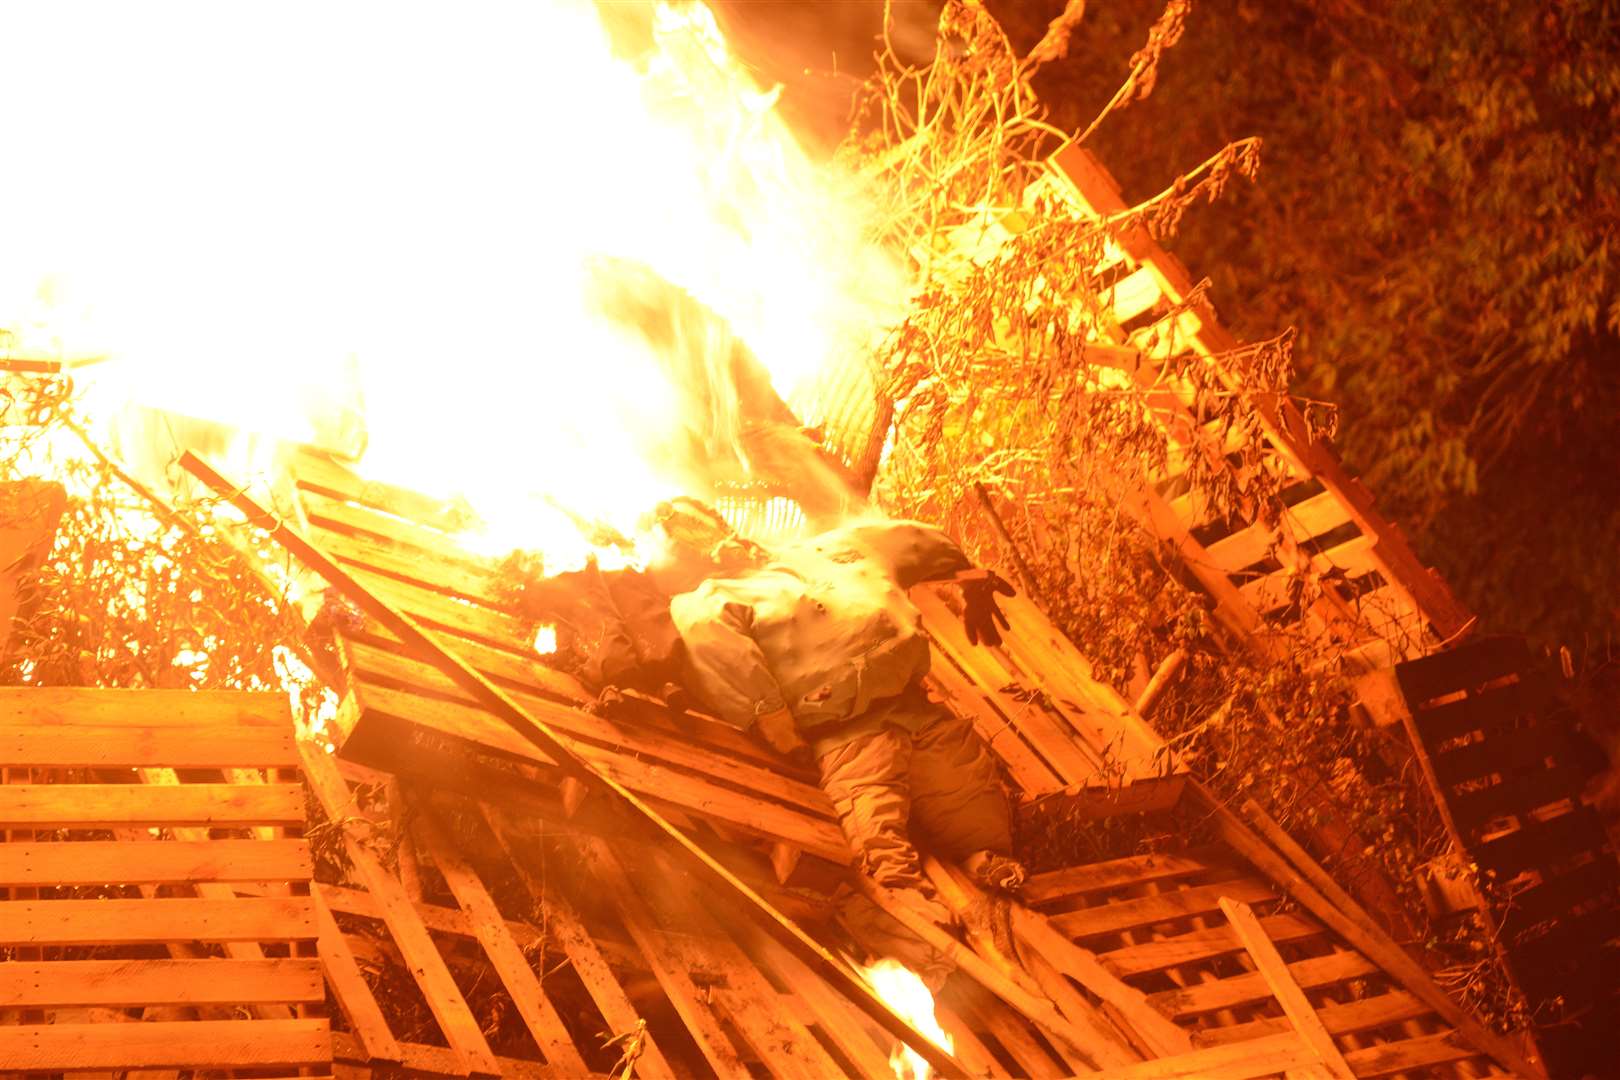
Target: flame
[904,992]
[384,225]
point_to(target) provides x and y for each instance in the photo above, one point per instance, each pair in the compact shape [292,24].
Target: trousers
[925,777]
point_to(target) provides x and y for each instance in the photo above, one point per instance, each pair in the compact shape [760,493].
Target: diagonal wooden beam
[1295,1005]
[504,953]
[542,737]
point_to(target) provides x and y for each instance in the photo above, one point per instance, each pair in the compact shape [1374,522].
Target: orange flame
[904,992]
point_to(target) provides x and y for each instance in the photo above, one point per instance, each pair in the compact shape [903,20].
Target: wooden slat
[1311,517]
[1118,915]
[1314,973]
[1260,1057]
[816,834]
[1202,945]
[1294,1004]
[1540,843]
[36,706]
[91,806]
[1341,1019]
[127,984]
[665,959]
[1073,762]
[1400,1057]
[212,746]
[520,980]
[1126,1006]
[1515,793]
[187,1044]
[456,1021]
[315,469]
[353,993]
[563,925]
[843,1025]
[1024,766]
[434,1061]
[387,669]
[753,1006]
[1114,874]
[167,862]
[130,922]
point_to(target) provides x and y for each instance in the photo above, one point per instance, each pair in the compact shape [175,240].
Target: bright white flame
[284,218]
[904,992]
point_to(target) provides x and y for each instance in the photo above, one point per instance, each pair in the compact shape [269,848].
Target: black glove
[981,615]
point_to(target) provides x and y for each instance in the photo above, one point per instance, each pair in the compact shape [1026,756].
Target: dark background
[1438,214]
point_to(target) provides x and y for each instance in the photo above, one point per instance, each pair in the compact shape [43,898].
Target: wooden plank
[1202,945]
[404,533]
[419,1059]
[316,469]
[1116,874]
[1073,762]
[1485,712]
[456,1021]
[1399,1057]
[351,990]
[214,746]
[841,1023]
[35,706]
[1126,1006]
[564,927]
[665,960]
[390,670]
[773,821]
[1240,1061]
[1092,802]
[1024,766]
[131,922]
[1465,667]
[187,1044]
[103,806]
[1347,1018]
[128,984]
[1104,1046]
[1115,916]
[966,1044]
[165,862]
[1541,843]
[1310,518]
[1015,1035]
[1312,974]
[522,984]
[752,1004]
[1557,895]
[1294,1004]
[1515,793]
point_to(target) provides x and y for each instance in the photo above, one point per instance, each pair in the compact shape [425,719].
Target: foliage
[135,593]
[1002,376]
[1439,217]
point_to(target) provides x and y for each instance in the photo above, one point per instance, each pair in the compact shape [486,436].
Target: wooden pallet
[618,925]
[1387,605]
[1205,960]
[1035,701]
[1500,751]
[130,817]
